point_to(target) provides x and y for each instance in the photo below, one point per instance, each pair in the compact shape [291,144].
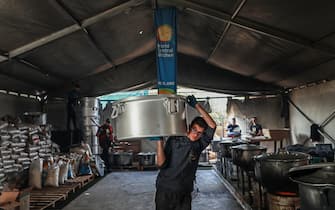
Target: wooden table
[272,135]
[263,139]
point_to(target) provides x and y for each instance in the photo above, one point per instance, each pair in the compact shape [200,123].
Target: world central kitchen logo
[164,33]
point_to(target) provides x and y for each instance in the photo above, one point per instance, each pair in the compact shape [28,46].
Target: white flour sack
[35,173]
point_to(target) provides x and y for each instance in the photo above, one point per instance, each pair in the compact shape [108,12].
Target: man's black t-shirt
[231,127]
[255,128]
[72,99]
[182,156]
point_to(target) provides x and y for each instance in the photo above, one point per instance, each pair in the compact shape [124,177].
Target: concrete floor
[135,191]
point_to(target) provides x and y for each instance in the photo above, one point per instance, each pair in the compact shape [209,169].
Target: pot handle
[187,120]
[324,194]
[172,105]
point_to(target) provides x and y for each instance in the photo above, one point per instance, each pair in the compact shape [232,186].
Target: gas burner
[286,194]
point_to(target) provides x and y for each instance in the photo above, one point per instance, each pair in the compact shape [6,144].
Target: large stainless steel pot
[122,158]
[204,156]
[147,158]
[225,147]
[38,118]
[90,107]
[243,155]
[149,116]
[316,185]
[216,145]
[272,169]
[90,121]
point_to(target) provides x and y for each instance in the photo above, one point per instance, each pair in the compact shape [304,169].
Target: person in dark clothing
[105,136]
[178,161]
[72,103]
[255,128]
[233,129]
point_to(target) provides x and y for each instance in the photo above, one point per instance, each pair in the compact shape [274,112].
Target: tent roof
[230,46]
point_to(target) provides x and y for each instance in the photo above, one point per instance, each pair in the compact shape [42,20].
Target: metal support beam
[149,84]
[111,12]
[218,44]
[73,28]
[99,70]
[250,25]
[33,66]
[328,119]
[21,80]
[3,58]
[66,31]
[283,36]
[300,111]
[325,134]
[42,71]
[299,74]
[154,4]
[320,130]
[110,63]
[284,58]
[44,40]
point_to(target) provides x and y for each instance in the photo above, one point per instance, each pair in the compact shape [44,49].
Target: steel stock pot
[316,185]
[225,147]
[147,158]
[150,116]
[122,158]
[271,169]
[243,155]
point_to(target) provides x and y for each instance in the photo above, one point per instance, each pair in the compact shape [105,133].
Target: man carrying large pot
[178,161]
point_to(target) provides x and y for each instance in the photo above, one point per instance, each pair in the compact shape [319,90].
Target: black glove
[191,100]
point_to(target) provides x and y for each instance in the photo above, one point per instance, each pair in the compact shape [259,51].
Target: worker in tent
[73,101]
[255,127]
[233,129]
[178,161]
[105,137]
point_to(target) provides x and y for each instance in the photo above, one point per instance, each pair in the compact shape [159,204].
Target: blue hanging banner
[166,49]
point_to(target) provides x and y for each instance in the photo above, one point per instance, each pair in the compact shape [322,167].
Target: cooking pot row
[126,158]
[270,169]
[283,171]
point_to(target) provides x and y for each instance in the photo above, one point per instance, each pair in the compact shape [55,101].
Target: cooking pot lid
[226,139]
[283,157]
[321,174]
[249,147]
[33,113]
[232,141]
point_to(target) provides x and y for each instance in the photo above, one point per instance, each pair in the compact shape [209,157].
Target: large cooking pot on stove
[271,169]
[147,158]
[150,116]
[216,145]
[243,155]
[37,118]
[225,146]
[122,158]
[316,185]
